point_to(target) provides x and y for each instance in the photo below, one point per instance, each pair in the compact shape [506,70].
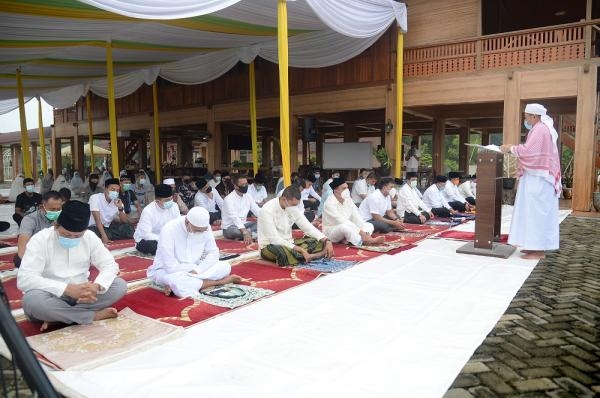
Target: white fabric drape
[10,105]
[126,84]
[200,69]
[160,9]
[65,97]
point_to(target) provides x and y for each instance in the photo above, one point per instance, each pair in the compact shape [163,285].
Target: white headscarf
[76,183]
[60,182]
[538,109]
[16,187]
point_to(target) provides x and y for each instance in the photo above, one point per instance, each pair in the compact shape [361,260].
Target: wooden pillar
[350,134]
[584,171]
[294,154]
[511,124]
[16,157]
[388,138]
[75,153]
[438,145]
[276,147]
[463,150]
[485,137]
[1,164]
[213,160]
[57,159]
[143,153]
[319,147]
[266,151]
[121,156]
[153,145]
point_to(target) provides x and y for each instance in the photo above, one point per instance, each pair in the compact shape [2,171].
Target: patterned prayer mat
[235,246]
[232,296]
[88,346]
[462,235]
[443,222]
[327,265]
[382,248]
[121,244]
[6,262]
[8,241]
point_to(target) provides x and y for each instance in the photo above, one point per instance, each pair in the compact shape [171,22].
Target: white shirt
[466,190]
[336,213]
[434,199]
[48,266]
[359,188]
[213,183]
[257,194]
[412,162]
[452,194]
[107,210]
[152,220]
[375,203]
[275,225]
[306,192]
[235,210]
[409,201]
[180,251]
[209,203]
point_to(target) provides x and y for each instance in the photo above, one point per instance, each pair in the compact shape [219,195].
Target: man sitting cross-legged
[104,207]
[210,199]
[410,206]
[434,199]
[187,257]
[55,268]
[154,216]
[235,209]
[452,194]
[341,220]
[275,239]
[377,208]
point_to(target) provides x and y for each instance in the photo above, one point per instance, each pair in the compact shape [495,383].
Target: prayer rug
[9,241]
[462,235]
[6,262]
[88,346]
[382,248]
[360,254]
[132,267]
[443,222]
[232,295]
[235,246]
[327,265]
[120,244]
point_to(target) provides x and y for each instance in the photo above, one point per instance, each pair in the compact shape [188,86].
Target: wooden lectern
[489,208]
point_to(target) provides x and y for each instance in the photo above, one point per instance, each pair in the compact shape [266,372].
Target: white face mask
[218,178]
[346,194]
[413,184]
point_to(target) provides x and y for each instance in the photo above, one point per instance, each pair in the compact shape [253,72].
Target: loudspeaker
[309,129]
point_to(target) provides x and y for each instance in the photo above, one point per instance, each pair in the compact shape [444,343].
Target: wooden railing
[527,47]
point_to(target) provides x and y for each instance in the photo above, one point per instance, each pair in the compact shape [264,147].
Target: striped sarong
[284,256]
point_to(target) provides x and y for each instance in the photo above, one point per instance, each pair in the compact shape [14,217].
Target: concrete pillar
[511,124]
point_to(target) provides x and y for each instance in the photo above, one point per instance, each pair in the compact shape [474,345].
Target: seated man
[235,211]
[186,191]
[27,201]
[377,208]
[65,194]
[275,232]
[410,206]
[225,187]
[104,207]
[452,194]
[215,180]
[210,199]
[466,190]
[341,220]
[310,197]
[187,257]
[360,186]
[183,209]
[129,198]
[257,190]
[91,187]
[34,222]
[55,268]
[434,199]
[154,217]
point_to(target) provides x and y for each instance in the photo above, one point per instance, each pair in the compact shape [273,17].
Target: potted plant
[383,158]
[567,183]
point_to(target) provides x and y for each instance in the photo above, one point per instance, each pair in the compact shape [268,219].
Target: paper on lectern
[491,147]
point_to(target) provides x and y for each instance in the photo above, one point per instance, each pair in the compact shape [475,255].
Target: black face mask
[243,188]
[93,185]
[209,189]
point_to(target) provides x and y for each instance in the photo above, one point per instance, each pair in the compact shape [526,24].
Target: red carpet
[120,244]
[461,235]
[235,246]
[9,241]
[186,312]
[14,295]
[6,262]
[133,268]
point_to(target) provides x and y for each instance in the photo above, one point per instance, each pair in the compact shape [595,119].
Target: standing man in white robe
[535,225]
[187,258]
[154,217]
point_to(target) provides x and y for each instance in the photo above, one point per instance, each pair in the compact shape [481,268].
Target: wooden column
[57,158]
[585,145]
[350,134]
[266,152]
[438,145]
[16,157]
[143,153]
[485,137]
[511,124]
[319,147]
[276,147]
[214,145]
[1,164]
[463,150]
[389,138]
[293,143]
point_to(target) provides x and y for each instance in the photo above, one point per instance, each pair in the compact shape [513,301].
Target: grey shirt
[33,223]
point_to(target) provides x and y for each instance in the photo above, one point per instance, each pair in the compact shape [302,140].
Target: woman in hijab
[16,188]
[60,182]
[47,182]
[143,189]
[76,185]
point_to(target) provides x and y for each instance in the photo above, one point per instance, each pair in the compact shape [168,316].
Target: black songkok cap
[75,216]
[201,183]
[453,174]
[112,181]
[163,191]
[441,178]
[336,182]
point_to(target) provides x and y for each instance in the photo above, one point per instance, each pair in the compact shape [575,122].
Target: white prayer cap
[535,109]
[169,181]
[198,217]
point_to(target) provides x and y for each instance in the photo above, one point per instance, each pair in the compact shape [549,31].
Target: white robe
[535,224]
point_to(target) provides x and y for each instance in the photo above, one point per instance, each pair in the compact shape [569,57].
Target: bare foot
[232,279]
[167,291]
[375,241]
[105,313]
[44,326]
[534,255]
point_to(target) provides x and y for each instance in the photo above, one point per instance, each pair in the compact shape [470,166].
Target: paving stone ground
[547,343]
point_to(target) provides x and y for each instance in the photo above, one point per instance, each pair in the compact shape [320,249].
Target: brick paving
[547,344]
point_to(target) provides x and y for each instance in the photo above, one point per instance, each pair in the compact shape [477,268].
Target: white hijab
[16,187]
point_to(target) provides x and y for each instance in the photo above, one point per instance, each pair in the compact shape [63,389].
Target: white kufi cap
[535,109]
[198,217]
[169,181]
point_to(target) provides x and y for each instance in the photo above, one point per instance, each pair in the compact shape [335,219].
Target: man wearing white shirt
[209,199]
[434,199]
[154,216]
[257,189]
[308,195]
[362,185]
[413,155]
[452,194]
[236,206]
[466,190]
[341,220]
[275,232]
[55,269]
[104,207]
[215,180]
[187,258]
[377,208]
[410,206]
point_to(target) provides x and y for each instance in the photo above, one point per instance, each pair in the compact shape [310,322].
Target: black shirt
[28,203]
[128,198]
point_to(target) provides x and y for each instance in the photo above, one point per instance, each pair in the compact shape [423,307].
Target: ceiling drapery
[64,55]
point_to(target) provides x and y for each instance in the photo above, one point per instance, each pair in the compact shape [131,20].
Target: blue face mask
[68,243]
[168,205]
[527,125]
[113,195]
[29,188]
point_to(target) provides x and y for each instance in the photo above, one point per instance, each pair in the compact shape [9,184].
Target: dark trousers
[311,205]
[458,206]
[17,260]
[441,212]
[214,216]
[411,218]
[147,246]
[471,201]
[18,218]
[116,231]
[381,226]
[310,216]
[4,226]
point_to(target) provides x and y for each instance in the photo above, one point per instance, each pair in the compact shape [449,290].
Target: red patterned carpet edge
[12,292]
[462,235]
[9,241]
[6,262]
[235,246]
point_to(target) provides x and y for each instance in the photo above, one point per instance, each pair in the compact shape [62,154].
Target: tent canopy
[98,151]
[60,45]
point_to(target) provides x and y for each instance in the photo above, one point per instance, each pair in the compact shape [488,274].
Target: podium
[489,208]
